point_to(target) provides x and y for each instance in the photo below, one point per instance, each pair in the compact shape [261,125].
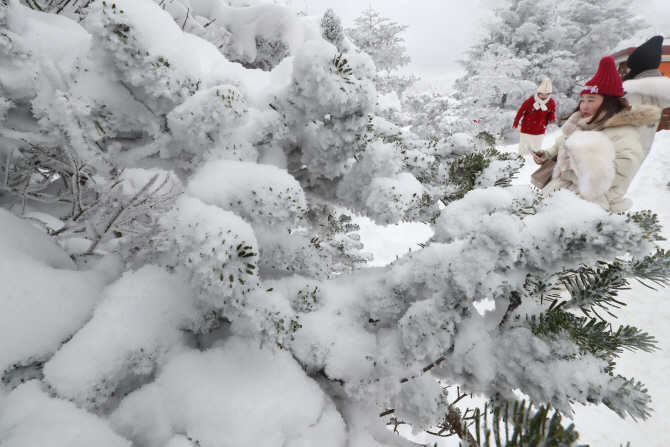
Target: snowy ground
[648,309]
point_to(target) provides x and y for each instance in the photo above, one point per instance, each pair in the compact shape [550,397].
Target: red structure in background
[621,57]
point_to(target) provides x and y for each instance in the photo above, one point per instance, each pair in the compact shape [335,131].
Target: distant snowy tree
[527,41]
[378,37]
[332,28]
[180,266]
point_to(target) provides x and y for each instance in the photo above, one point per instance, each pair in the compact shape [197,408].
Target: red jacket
[535,121]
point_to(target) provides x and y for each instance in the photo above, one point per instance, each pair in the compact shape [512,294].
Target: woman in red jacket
[535,114]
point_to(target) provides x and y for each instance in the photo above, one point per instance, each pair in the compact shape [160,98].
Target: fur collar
[658,87]
[639,114]
[577,123]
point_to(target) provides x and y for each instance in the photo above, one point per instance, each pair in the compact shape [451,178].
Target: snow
[30,417]
[228,396]
[135,327]
[254,192]
[44,299]
[389,101]
[54,37]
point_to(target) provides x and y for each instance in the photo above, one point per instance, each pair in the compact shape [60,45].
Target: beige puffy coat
[600,163]
[650,88]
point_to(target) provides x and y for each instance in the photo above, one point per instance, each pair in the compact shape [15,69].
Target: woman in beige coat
[600,149]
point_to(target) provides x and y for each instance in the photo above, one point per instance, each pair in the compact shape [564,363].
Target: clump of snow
[219,397]
[204,120]
[261,194]
[134,329]
[30,417]
[45,300]
[216,249]
[389,101]
[376,187]
[151,53]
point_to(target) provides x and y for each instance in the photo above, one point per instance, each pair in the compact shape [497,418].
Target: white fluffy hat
[545,87]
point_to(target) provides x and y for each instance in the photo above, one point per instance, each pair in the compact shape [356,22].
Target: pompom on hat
[545,87]
[606,81]
[645,57]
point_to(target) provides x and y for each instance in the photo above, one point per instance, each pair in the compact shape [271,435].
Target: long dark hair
[611,106]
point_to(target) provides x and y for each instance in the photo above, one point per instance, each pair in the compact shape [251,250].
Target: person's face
[543,96]
[590,104]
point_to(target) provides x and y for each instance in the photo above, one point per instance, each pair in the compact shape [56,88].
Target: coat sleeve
[548,153]
[551,116]
[627,161]
[520,113]
[570,176]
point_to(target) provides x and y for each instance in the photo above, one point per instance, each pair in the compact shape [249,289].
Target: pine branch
[598,288]
[655,268]
[649,224]
[514,302]
[464,171]
[522,428]
[591,335]
[631,397]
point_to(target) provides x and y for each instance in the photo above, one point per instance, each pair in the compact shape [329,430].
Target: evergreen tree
[378,37]
[332,28]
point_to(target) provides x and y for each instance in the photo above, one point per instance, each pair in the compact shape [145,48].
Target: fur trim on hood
[591,155]
[658,87]
[645,115]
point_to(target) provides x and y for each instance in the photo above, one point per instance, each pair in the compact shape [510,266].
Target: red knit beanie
[606,81]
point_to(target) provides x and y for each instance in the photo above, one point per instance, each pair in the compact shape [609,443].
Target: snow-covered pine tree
[192,277]
[378,37]
[332,28]
[526,41]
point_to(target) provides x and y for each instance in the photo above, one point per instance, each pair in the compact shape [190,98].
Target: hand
[514,126]
[537,157]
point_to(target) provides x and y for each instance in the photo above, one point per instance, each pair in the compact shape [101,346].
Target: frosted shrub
[149,74]
[219,253]
[263,195]
[204,122]
[327,106]
[332,28]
